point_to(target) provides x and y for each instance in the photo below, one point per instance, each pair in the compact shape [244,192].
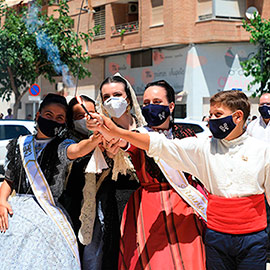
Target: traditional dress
[236,173]
[89,198]
[159,229]
[102,252]
[33,240]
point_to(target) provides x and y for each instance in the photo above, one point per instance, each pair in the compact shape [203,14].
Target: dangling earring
[171,118]
[128,108]
[104,111]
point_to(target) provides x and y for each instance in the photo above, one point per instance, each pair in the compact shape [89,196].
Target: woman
[72,196]
[37,233]
[117,101]
[89,198]
[159,229]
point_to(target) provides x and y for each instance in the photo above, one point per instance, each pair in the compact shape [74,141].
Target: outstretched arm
[84,147]
[108,128]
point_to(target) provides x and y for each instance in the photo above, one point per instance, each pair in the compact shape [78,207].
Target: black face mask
[155,114]
[48,127]
[221,127]
[265,111]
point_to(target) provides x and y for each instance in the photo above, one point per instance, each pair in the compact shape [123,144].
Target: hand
[94,122]
[5,209]
[103,124]
[97,136]
[111,147]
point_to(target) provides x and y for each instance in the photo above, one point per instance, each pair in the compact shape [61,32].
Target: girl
[37,233]
[90,197]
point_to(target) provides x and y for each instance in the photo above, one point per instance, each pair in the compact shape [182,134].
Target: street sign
[34,90]
[34,98]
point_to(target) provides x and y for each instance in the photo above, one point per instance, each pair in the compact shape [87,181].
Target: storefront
[196,72]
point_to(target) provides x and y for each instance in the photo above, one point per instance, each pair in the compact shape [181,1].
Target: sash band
[43,193]
[236,215]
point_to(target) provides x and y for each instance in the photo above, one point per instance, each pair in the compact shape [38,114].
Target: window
[196,128]
[31,108]
[99,21]
[205,9]
[180,111]
[125,18]
[141,59]
[223,9]
[230,8]
[12,131]
[157,12]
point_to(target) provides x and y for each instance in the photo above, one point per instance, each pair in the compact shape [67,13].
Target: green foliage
[259,65]
[22,62]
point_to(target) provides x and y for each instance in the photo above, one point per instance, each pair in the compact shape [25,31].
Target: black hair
[118,79]
[71,104]
[52,98]
[170,94]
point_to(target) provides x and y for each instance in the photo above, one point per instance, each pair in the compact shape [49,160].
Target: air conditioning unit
[132,8]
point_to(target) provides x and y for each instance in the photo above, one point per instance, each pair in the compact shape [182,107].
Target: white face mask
[115,106]
[80,126]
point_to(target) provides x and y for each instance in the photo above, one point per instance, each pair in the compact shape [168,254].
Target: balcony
[125,28]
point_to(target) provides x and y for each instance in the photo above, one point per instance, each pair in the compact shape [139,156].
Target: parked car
[10,129]
[199,127]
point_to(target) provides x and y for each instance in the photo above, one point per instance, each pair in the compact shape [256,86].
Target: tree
[24,53]
[259,65]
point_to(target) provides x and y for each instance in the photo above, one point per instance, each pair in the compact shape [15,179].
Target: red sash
[236,215]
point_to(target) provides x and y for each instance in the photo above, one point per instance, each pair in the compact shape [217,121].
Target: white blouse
[235,168]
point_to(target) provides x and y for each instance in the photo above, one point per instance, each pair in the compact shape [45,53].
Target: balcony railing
[125,28]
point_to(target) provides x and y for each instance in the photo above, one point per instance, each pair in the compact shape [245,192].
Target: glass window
[180,111]
[141,59]
[12,131]
[196,128]
[157,12]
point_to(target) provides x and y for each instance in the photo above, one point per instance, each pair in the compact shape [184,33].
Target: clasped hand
[110,142]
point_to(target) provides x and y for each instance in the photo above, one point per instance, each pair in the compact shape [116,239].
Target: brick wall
[181,25]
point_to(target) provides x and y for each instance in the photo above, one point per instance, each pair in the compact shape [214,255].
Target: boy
[233,167]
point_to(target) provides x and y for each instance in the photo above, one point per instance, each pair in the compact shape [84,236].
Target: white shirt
[258,129]
[235,168]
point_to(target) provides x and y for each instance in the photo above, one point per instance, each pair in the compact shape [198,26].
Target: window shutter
[205,9]
[99,20]
[230,8]
[157,12]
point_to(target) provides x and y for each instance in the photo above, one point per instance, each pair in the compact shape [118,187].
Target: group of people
[124,188]
[8,116]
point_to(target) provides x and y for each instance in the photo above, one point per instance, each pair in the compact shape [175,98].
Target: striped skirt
[160,231]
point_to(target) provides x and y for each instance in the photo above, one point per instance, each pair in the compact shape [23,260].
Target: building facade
[195,45]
